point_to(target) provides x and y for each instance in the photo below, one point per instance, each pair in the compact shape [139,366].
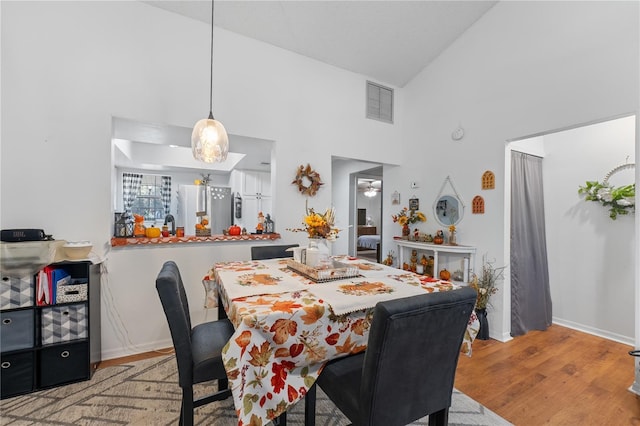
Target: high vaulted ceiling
[389,41]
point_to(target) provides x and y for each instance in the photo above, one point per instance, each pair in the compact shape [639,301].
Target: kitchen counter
[190,239]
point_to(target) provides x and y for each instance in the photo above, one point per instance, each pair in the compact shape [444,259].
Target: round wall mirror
[448,210]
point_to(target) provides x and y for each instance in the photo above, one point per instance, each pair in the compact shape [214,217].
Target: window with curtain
[151,197]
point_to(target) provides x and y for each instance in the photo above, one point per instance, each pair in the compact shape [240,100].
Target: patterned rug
[146,393]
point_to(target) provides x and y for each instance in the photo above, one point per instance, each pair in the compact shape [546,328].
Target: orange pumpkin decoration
[152,232]
[445,275]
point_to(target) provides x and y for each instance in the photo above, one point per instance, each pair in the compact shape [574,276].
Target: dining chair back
[198,349]
[408,368]
[271,251]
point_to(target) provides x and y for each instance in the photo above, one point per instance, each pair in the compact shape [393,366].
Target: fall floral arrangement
[407,217]
[318,225]
[486,283]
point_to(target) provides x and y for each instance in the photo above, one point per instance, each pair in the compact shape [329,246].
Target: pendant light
[209,140]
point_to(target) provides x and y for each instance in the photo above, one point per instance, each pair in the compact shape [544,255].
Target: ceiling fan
[370,187]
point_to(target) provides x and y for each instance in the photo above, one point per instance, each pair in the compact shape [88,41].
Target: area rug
[146,393]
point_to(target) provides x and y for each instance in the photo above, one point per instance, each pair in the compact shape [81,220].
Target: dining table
[288,325]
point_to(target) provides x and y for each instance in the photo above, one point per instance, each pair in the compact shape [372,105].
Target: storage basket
[16,329]
[16,292]
[71,293]
[64,323]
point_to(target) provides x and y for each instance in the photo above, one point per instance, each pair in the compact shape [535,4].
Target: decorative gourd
[445,275]
[235,230]
[152,232]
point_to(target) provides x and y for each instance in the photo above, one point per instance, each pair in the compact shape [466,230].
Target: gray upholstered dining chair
[408,369]
[198,349]
[271,251]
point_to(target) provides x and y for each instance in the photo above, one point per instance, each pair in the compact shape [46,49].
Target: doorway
[368,192]
[584,243]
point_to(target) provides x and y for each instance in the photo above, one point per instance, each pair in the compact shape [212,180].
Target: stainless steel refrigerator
[216,201]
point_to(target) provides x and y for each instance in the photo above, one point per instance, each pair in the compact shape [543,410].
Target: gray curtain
[530,295]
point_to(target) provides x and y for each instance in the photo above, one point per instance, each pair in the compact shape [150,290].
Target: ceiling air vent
[379,102]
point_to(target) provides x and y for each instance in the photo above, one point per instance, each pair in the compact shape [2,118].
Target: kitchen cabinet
[256,184]
[463,257]
[251,206]
[254,188]
[50,345]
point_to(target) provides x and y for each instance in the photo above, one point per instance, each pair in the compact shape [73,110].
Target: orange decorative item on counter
[260,226]
[138,227]
[445,275]
[152,232]
[235,230]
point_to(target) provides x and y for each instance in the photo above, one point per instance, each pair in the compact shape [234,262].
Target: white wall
[69,67]
[591,257]
[525,68]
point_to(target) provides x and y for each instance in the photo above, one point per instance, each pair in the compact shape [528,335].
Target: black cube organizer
[52,345]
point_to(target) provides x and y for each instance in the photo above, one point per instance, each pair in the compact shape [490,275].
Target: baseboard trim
[158,346]
[626,340]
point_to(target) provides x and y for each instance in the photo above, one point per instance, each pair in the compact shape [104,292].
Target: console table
[405,245]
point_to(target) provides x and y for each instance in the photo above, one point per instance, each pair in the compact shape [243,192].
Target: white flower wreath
[620,200]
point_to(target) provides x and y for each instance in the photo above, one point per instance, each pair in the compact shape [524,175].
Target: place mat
[353,295]
[255,280]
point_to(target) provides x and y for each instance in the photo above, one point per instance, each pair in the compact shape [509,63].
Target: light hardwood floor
[558,377]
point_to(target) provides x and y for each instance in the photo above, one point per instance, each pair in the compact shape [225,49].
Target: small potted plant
[486,286]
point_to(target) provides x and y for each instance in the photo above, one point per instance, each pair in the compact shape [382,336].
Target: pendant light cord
[211,67]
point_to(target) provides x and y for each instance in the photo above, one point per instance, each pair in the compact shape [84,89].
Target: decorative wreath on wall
[307,180]
[620,200]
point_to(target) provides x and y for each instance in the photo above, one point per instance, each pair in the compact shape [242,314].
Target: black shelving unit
[48,346]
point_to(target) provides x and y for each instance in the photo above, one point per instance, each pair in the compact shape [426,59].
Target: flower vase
[406,230]
[452,238]
[483,333]
[318,255]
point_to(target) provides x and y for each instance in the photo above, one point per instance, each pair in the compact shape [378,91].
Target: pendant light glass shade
[209,139]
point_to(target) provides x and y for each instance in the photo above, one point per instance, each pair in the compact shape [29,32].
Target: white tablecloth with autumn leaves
[287,326]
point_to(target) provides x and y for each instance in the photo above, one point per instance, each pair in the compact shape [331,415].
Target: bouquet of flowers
[486,283]
[319,225]
[407,217]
